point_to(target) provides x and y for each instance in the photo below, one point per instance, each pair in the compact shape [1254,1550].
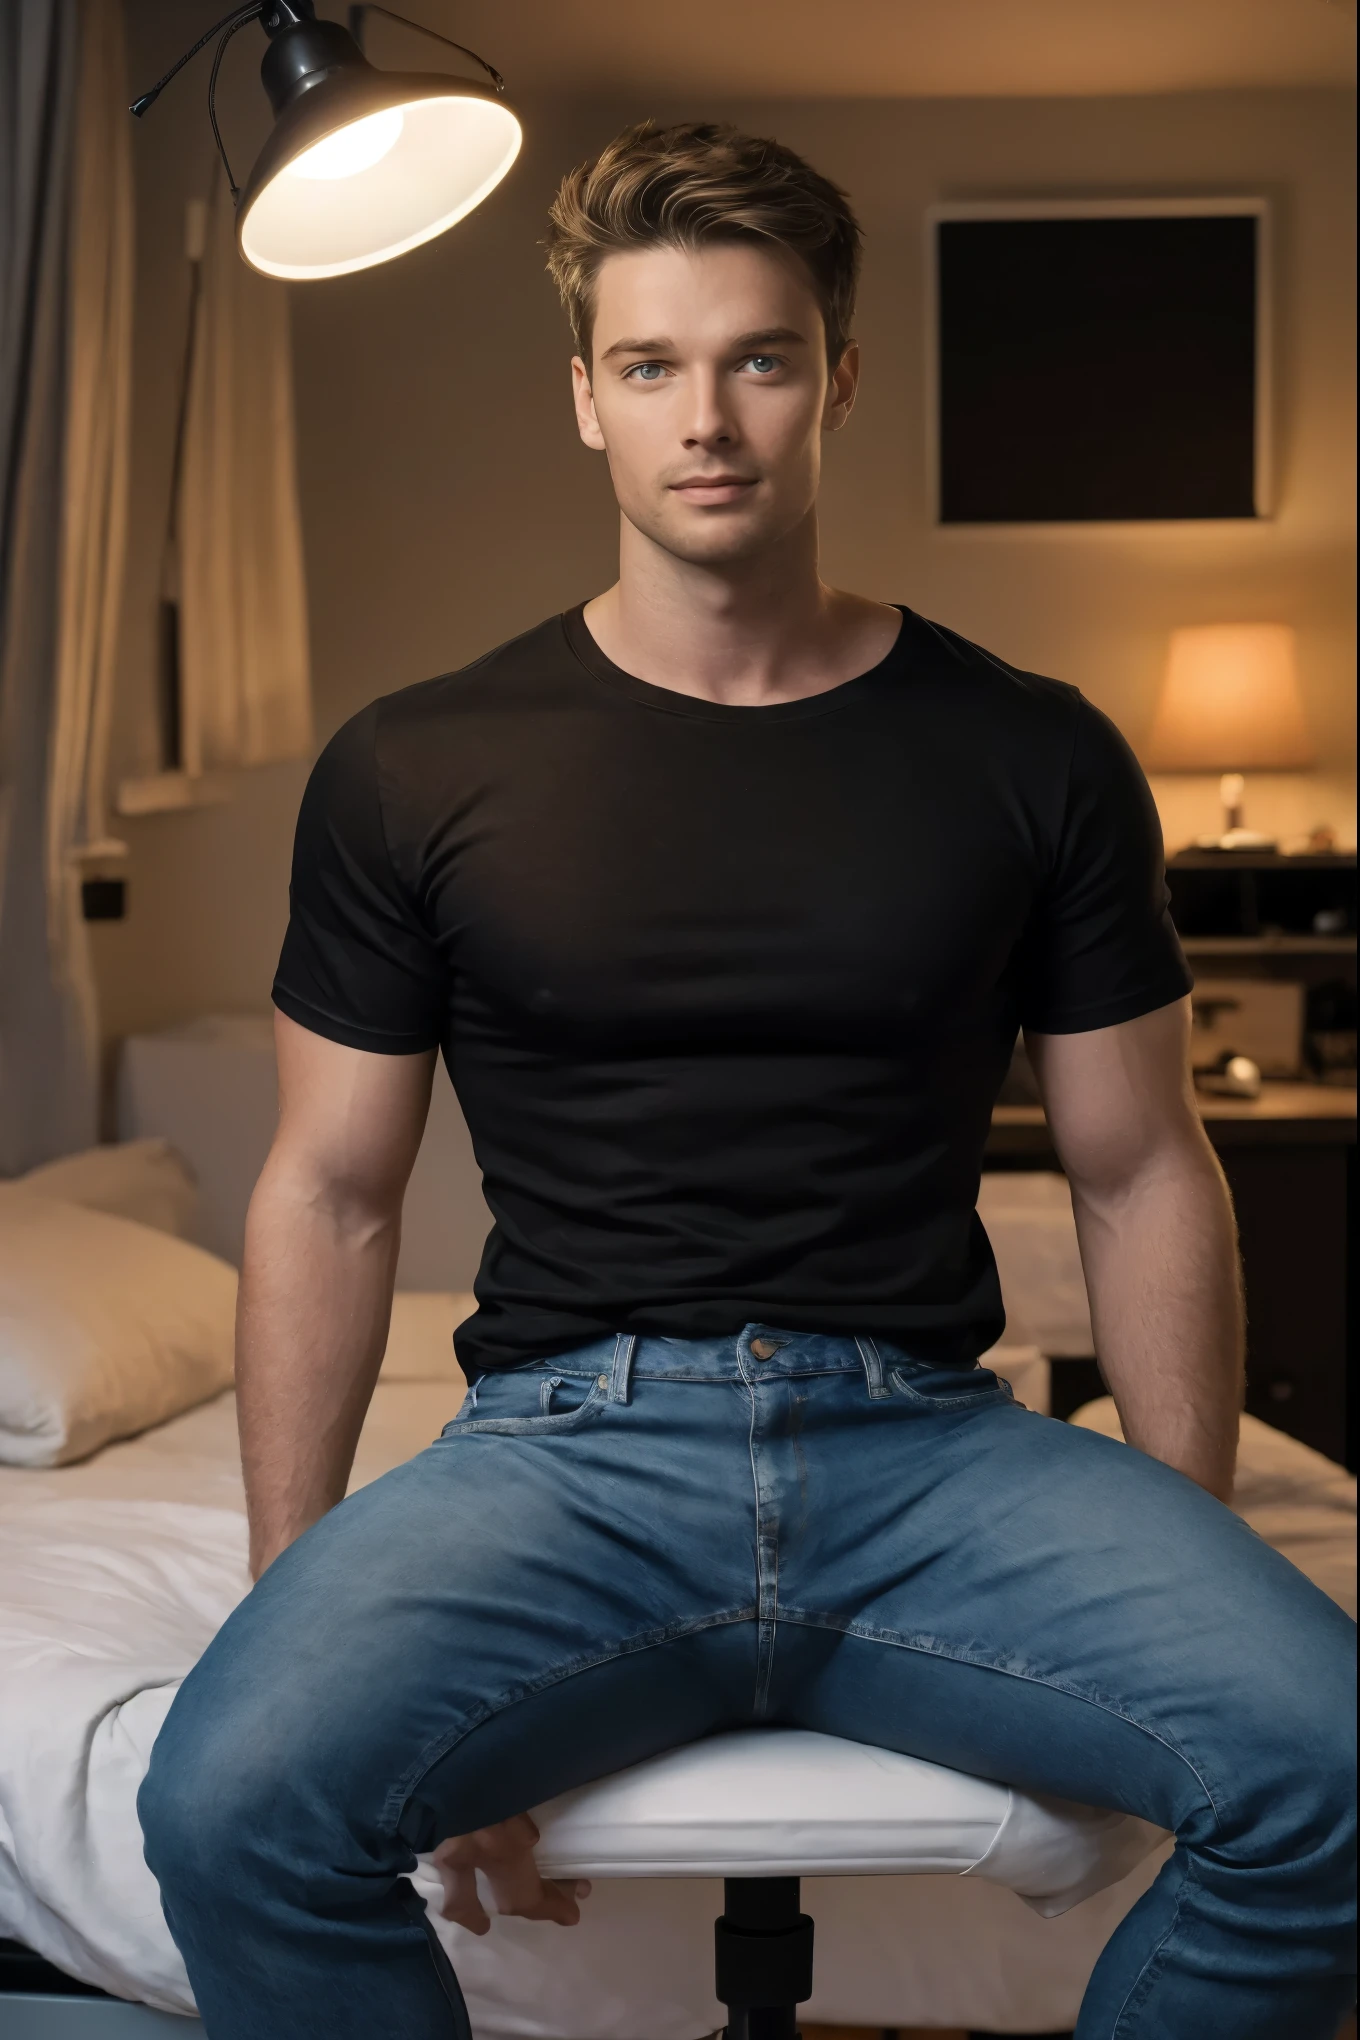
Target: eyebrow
[784,335]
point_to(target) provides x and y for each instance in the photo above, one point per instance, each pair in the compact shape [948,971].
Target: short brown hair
[694,183]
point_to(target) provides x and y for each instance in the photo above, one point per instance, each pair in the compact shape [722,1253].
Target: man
[724,897]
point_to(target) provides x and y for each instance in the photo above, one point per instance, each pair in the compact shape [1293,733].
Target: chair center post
[763,1957]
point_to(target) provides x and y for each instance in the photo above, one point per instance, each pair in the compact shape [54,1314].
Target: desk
[1289,1157]
[1285,1115]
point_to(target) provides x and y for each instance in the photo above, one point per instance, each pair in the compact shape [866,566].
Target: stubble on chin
[711,540]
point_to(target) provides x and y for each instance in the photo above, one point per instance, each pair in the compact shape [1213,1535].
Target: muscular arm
[1158,1241]
[322,1235]
[316,1294]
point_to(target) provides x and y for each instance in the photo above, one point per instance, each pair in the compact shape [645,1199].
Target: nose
[707,422]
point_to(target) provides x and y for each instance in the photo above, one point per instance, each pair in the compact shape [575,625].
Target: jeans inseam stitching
[1146,1977]
[805,1620]
[434,1752]
[419,1914]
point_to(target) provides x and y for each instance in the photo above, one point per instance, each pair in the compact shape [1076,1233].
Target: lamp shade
[365,164]
[1230,702]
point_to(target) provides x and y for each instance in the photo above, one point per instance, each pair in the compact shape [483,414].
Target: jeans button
[764,1349]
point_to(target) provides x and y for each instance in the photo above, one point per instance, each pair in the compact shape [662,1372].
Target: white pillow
[420,1339]
[147,1180]
[106,1326]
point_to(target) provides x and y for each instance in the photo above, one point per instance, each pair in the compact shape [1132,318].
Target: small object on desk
[1232,1076]
[1257,1017]
[1231,789]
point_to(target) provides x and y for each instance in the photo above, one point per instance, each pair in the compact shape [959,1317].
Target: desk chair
[762,1808]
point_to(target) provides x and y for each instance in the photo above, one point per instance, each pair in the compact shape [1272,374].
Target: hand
[504,1853]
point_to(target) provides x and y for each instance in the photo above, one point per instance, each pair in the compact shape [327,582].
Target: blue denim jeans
[648,1540]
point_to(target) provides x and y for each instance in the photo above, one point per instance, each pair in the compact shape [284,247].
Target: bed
[117,1569]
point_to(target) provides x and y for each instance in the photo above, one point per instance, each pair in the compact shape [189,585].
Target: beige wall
[447,503]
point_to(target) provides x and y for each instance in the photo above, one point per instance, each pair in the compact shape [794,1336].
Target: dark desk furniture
[1289,1157]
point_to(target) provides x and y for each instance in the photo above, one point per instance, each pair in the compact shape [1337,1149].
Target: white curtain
[65,343]
[244,671]
[94,494]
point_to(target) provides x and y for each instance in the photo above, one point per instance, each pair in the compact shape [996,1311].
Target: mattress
[118,1570]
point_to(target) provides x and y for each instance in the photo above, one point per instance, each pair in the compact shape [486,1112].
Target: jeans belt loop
[621,1373]
[879,1389]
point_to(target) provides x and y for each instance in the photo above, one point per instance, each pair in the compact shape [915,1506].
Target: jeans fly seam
[765,1614]
[767,1674]
[434,1752]
[804,1619]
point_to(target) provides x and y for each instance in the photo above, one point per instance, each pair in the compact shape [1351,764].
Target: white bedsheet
[118,1571]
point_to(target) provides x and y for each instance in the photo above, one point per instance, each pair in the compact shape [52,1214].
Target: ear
[842,389]
[587,424]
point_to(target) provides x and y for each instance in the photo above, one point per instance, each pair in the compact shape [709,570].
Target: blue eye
[642,371]
[763,363]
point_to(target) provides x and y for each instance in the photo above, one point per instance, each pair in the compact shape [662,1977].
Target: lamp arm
[356,19]
[234,20]
[251,13]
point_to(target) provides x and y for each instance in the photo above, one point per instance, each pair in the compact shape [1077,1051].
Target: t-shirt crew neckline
[667,701]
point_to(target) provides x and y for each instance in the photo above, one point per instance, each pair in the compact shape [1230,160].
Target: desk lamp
[362,164]
[1230,704]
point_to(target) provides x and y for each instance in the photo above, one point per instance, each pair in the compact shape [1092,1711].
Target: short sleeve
[1100,948]
[358,965]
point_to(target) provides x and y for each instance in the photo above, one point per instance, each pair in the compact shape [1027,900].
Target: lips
[713,488]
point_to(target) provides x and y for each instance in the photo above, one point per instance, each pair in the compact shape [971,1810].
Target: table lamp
[1230,704]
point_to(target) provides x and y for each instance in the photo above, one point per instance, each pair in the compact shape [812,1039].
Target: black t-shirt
[726,993]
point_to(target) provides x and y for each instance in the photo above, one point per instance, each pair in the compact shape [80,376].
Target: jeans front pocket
[950,1388]
[563,1402]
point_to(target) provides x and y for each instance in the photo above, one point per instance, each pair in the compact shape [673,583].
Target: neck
[746,633]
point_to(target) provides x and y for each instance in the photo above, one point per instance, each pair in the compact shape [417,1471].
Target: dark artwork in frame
[1097,367]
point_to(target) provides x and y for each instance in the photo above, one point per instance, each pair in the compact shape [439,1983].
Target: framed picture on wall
[1099,361]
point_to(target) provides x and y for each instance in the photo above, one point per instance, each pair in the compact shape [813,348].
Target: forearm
[1160,1255]
[315,1299]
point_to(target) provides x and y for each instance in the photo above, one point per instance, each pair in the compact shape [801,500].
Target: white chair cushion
[783,1802]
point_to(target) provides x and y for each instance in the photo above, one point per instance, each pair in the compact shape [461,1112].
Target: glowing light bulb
[350,149]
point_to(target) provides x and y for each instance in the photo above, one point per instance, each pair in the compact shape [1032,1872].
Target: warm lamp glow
[361,164]
[342,184]
[353,149]
[1230,702]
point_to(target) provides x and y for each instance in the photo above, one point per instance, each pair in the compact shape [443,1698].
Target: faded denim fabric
[650,1539]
